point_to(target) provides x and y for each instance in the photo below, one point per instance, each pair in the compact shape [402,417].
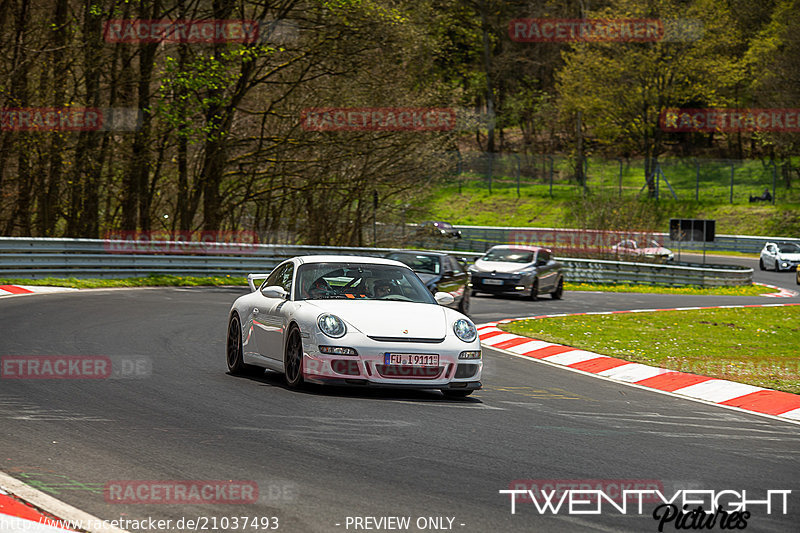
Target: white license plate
[413,359]
[493,282]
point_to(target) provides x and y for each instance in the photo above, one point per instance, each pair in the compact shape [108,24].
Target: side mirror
[274,291]
[444,298]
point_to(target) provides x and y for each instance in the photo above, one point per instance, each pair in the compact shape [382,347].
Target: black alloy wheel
[293,359]
[234,350]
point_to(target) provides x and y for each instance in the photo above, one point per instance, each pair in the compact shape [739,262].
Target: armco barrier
[35,258]
[481,238]
[599,271]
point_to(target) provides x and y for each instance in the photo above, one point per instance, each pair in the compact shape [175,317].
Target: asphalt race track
[323,457]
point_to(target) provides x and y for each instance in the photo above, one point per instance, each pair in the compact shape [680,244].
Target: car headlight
[332,325]
[465,330]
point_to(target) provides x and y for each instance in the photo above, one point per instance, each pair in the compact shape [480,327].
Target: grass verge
[194,281]
[148,281]
[756,345]
[745,290]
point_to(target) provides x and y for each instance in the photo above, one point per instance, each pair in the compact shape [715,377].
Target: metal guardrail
[36,258]
[680,274]
[484,237]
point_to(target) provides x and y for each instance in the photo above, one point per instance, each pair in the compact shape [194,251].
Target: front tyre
[559,292]
[293,359]
[534,290]
[235,352]
[761,264]
[463,305]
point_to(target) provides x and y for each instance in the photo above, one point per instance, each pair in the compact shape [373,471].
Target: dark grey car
[440,272]
[526,270]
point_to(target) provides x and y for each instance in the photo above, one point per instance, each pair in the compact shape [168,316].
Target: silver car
[779,256]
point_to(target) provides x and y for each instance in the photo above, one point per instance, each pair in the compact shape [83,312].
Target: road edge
[44,502]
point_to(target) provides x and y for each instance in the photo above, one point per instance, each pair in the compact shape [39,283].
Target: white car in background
[779,256]
[351,320]
[649,250]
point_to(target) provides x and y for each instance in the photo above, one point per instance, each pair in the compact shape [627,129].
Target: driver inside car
[319,288]
[383,288]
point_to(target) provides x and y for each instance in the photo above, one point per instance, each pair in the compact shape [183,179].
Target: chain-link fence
[716,180]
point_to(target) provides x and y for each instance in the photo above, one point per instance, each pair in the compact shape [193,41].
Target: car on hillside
[648,250]
[440,272]
[352,320]
[779,256]
[527,270]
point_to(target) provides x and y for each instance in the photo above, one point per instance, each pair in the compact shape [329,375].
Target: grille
[345,366]
[409,372]
[422,340]
[466,371]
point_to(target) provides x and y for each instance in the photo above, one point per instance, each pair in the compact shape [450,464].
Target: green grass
[745,290]
[149,281]
[475,205]
[193,281]
[757,346]
[466,199]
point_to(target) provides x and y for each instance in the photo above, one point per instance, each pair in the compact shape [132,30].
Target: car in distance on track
[441,229]
[779,256]
[651,250]
[527,270]
[440,272]
[356,321]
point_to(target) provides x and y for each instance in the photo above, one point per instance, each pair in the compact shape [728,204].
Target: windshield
[425,264]
[509,256]
[360,281]
[789,248]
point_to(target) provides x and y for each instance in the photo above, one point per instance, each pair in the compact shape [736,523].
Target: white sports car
[356,321]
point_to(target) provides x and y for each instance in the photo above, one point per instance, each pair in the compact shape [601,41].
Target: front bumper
[500,283]
[787,264]
[370,366]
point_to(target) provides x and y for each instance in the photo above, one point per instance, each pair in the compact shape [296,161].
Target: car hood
[389,318]
[789,257]
[500,266]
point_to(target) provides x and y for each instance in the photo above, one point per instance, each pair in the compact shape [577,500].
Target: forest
[302,121]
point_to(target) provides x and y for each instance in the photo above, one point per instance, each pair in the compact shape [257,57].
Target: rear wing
[251,277]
